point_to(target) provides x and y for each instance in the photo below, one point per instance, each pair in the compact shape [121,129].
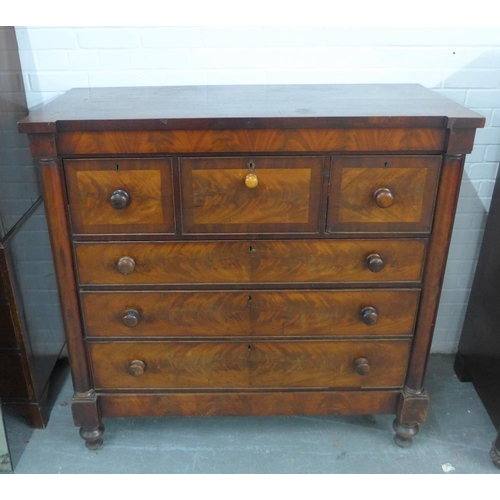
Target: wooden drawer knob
[120,199]
[131,318]
[369,315]
[126,265]
[251,181]
[374,263]
[137,368]
[361,366]
[383,197]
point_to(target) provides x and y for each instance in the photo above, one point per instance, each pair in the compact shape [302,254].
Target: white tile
[236,77]
[477,154]
[110,60]
[482,170]
[57,81]
[83,60]
[488,79]
[52,60]
[186,77]
[463,221]
[486,189]
[171,36]
[50,38]
[492,153]
[489,135]
[458,96]
[241,36]
[108,38]
[495,120]
[483,98]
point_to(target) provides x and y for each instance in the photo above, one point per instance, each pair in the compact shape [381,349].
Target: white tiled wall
[461,63]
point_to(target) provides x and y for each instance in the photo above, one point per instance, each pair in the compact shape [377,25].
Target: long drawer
[250,313]
[250,262]
[210,365]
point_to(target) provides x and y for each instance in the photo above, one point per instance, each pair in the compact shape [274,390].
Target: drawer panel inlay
[383,193]
[210,262]
[251,313]
[251,194]
[249,365]
[120,195]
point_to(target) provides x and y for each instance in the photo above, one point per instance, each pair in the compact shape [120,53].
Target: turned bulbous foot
[495,456]
[93,437]
[404,433]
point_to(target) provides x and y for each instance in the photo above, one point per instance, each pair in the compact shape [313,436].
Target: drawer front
[251,194]
[250,313]
[219,262]
[382,193]
[180,365]
[120,196]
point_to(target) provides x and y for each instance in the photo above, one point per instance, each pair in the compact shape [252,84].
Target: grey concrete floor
[456,437]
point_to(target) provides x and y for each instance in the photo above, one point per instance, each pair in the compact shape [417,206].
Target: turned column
[413,403]
[84,405]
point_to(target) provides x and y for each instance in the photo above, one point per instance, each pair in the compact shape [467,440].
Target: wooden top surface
[249,107]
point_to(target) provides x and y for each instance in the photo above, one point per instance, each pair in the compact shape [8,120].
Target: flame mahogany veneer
[250,250]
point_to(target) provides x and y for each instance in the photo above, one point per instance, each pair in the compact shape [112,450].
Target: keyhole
[385,165]
[249,347]
[251,249]
[249,302]
[117,167]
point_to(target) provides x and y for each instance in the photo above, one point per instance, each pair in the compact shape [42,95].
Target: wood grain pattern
[250,106]
[148,182]
[250,313]
[247,301]
[435,266]
[249,403]
[249,365]
[58,224]
[411,180]
[270,140]
[215,198]
[219,262]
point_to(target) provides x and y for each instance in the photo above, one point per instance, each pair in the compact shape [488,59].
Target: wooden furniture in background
[250,250]
[478,357]
[31,330]
[32,336]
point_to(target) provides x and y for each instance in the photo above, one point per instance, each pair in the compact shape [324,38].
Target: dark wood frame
[449,134]
[27,388]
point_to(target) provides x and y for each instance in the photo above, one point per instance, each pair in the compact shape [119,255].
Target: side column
[85,408]
[414,401]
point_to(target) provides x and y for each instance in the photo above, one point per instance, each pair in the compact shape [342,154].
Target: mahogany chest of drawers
[250,250]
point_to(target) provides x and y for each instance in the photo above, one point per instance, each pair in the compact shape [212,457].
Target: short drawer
[251,194]
[382,193]
[120,195]
[249,262]
[210,365]
[250,313]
